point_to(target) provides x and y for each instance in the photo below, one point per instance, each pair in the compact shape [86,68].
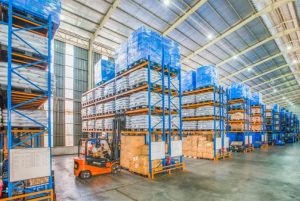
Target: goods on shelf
[109,89]
[189,99]
[141,77]
[256,98]
[188,112]
[121,58]
[189,125]
[188,80]
[108,123]
[207,111]
[98,93]
[109,107]
[40,43]
[238,90]
[122,84]
[90,96]
[208,96]
[238,116]
[91,110]
[104,71]
[99,109]
[208,125]
[35,75]
[207,76]
[99,124]
[84,125]
[91,124]
[143,43]
[19,121]
[141,122]
[40,8]
[122,103]
[200,146]
[140,99]
[171,54]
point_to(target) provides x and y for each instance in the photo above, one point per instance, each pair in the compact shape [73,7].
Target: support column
[90,66]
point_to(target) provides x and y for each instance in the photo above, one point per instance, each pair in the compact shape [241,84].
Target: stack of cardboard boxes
[135,155]
[198,146]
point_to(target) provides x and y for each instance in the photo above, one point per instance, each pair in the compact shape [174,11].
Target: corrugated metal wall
[59,95]
[80,86]
[70,68]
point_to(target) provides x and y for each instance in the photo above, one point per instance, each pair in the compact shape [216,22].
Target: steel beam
[271,80]
[238,26]
[105,19]
[184,16]
[275,97]
[250,66]
[93,38]
[275,86]
[265,73]
[280,91]
[278,35]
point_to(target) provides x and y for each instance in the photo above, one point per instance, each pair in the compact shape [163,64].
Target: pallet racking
[165,108]
[242,134]
[272,124]
[29,139]
[258,126]
[217,135]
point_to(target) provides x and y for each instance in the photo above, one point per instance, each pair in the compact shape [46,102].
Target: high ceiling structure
[251,41]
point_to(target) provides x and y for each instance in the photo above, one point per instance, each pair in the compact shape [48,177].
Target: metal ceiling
[250,41]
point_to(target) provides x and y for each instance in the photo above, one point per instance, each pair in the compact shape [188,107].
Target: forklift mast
[119,124]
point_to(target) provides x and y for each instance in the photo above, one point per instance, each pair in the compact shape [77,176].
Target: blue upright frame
[12,108]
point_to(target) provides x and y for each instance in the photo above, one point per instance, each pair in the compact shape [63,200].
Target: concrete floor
[258,176]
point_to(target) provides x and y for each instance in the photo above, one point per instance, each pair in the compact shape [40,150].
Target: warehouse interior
[149,100]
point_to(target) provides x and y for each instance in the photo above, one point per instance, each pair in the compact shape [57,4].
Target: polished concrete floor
[259,176]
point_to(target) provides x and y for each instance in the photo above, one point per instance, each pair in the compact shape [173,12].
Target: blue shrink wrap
[40,8]
[256,98]
[188,81]
[121,58]
[237,90]
[171,51]
[143,43]
[104,71]
[275,108]
[207,76]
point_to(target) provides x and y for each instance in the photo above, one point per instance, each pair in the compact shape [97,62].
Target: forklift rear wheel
[85,174]
[115,169]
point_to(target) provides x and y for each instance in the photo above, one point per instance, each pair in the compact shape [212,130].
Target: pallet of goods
[203,115]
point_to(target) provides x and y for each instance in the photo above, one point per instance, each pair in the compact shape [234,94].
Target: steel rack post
[215,124]
[180,109]
[163,101]
[149,116]
[9,105]
[169,111]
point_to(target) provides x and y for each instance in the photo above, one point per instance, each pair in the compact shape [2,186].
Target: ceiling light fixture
[249,69]
[210,36]
[294,61]
[289,47]
[235,57]
[167,2]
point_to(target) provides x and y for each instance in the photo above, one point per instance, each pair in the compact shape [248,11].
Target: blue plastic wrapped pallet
[237,91]
[143,43]
[40,8]
[275,108]
[171,54]
[188,81]
[256,98]
[121,58]
[104,71]
[207,76]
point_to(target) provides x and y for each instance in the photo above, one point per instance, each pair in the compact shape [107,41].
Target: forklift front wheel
[85,174]
[115,169]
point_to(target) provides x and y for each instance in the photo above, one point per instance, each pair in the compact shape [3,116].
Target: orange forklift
[99,155]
